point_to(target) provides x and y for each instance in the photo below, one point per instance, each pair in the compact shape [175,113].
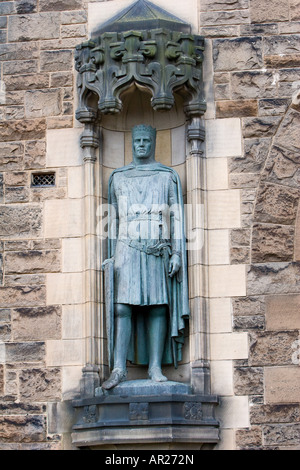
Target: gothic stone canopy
[147,46]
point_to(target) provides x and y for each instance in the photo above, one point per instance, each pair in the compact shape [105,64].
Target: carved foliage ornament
[161,60]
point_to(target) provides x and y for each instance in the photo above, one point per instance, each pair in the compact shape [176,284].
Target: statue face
[143,146]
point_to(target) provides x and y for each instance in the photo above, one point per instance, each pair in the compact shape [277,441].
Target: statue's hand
[175,265]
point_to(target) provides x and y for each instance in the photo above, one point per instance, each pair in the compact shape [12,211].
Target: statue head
[143,143]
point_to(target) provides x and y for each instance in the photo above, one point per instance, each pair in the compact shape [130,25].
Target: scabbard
[108,267]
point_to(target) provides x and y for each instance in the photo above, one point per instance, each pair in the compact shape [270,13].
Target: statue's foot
[156,374]
[117,376]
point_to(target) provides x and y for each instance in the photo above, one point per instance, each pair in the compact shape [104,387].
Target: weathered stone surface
[248,306]
[224,17]
[246,323]
[282,61]
[32,262]
[12,280]
[23,428]
[27,82]
[73,17]
[281,434]
[284,44]
[273,278]
[56,61]
[1,188]
[263,414]
[282,167]
[260,127]
[272,243]
[34,27]
[26,6]
[40,384]
[40,323]
[14,112]
[16,178]
[19,51]
[16,195]
[253,158]
[40,103]
[248,381]
[5,315]
[25,352]
[282,384]
[288,135]
[253,29]
[240,237]
[20,221]
[35,154]
[238,108]
[224,5]
[244,180]
[27,129]
[266,12]
[253,84]
[249,438]
[277,204]
[237,54]
[5,332]
[60,5]
[240,255]
[294,10]
[271,348]
[282,312]
[1,379]
[273,107]
[21,296]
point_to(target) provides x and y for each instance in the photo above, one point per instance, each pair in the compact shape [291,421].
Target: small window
[43,180]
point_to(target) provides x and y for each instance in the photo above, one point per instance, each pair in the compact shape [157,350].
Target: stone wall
[252,64]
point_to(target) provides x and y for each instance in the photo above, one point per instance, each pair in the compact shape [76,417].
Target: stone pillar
[89,143]
[198,276]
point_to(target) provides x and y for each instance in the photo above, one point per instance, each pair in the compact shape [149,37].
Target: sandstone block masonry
[255,68]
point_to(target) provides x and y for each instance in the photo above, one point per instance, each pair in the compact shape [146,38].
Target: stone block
[41,103]
[225,211]
[40,385]
[26,6]
[282,312]
[264,414]
[218,247]
[221,378]
[19,51]
[266,12]
[60,5]
[1,380]
[281,435]
[63,218]
[32,261]
[249,439]
[273,278]
[260,126]
[277,204]
[282,61]
[24,429]
[269,107]
[282,167]
[223,138]
[272,243]
[72,321]
[217,173]
[238,108]
[229,346]
[237,54]
[288,133]
[224,18]
[26,82]
[22,130]
[248,381]
[253,84]
[283,44]
[21,296]
[25,352]
[64,289]
[35,26]
[272,348]
[16,195]
[56,60]
[113,151]
[73,17]
[233,412]
[63,147]
[65,353]
[20,67]
[20,221]
[294,10]
[35,154]
[178,141]
[253,158]
[220,315]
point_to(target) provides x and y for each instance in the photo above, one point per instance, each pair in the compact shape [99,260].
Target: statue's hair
[143,128]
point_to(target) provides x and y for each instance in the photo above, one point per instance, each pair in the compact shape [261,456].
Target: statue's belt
[159,249]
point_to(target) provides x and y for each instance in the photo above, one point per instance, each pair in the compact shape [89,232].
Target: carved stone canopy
[147,46]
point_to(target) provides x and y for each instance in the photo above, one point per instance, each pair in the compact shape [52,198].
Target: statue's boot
[117,376]
[156,374]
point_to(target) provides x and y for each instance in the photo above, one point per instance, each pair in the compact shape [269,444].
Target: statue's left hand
[175,265]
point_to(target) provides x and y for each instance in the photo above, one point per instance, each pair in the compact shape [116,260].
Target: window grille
[43,180]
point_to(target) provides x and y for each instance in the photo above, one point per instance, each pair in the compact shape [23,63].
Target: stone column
[197,246]
[89,144]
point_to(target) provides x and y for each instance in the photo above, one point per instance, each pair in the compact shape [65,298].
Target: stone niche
[143,66]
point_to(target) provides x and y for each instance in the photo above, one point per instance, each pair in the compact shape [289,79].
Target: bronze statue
[147,296]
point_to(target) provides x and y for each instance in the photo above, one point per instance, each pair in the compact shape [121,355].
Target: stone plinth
[142,411]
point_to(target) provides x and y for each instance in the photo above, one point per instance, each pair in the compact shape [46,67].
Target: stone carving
[146,273]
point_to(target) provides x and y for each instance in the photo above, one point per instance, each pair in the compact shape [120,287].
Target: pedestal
[143,411]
